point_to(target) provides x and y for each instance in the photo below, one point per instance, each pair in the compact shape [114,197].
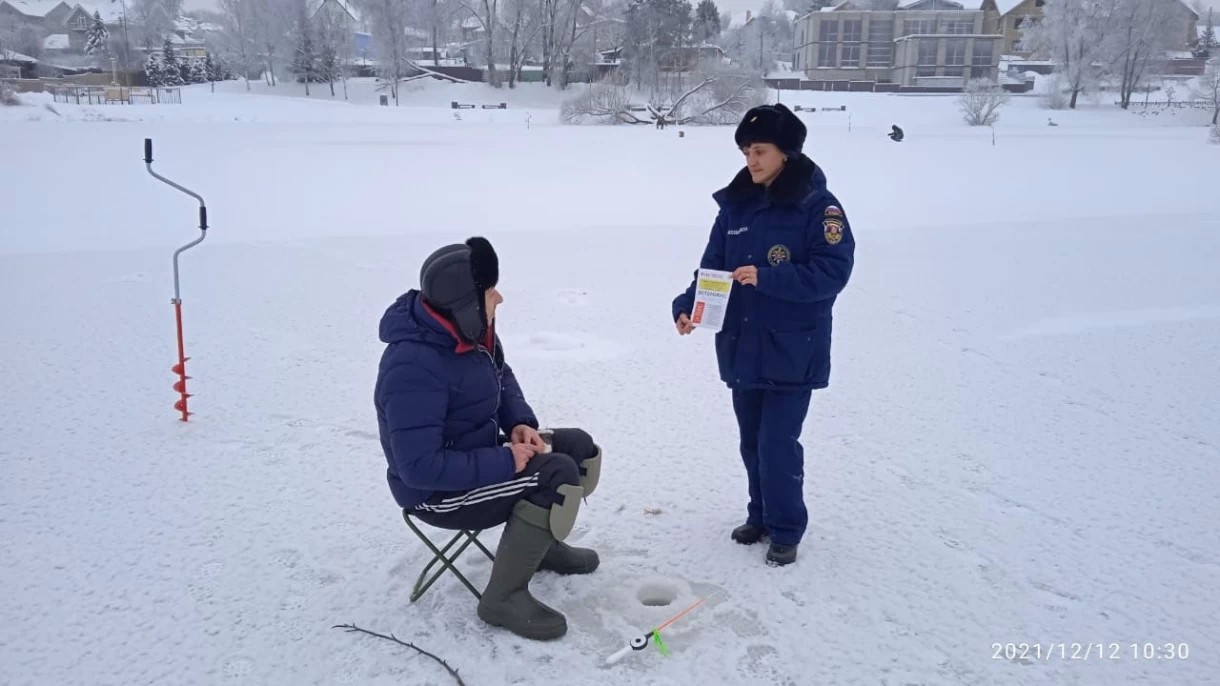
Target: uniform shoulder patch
[833,211]
[832,230]
[778,254]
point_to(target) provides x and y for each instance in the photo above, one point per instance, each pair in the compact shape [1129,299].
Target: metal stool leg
[424,582]
[477,542]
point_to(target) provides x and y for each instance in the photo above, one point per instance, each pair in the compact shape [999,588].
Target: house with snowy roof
[1187,21]
[56,25]
[1010,18]
[339,12]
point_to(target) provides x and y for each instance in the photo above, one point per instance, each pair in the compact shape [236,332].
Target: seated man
[445,398]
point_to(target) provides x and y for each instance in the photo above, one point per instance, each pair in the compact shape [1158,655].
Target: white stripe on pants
[482,494]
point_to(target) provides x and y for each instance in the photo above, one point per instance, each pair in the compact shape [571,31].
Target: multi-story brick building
[925,43]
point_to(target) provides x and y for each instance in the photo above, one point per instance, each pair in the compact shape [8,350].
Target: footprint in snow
[238,668]
[763,662]
[287,558]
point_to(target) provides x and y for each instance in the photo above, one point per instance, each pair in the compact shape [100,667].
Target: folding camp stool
[466,537]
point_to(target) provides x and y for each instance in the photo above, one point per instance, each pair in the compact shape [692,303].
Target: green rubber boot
[565,559]
[507,601]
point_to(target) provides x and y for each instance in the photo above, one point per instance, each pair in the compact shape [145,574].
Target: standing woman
[786,240]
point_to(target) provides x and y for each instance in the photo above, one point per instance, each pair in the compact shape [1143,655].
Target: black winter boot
[507,601]
[780,555]
[748,534]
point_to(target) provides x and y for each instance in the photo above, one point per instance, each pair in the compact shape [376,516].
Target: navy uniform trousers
[770,424]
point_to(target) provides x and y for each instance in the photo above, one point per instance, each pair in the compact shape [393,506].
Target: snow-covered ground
[1020,443]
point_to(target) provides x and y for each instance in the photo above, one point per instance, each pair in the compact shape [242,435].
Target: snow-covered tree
[802,7]
[1143,32]
[96,39]
[603,102]
[171,68]
[154,70]
[440,19]
[8,95]
[329,68]
[762,42]
[388,19]
[331,32]
[20,37]
[1207,89]
[8,38]
[980,102]
[272,24]
[657,33]
[155,19]
[564,24]
[487,13]
[1055,96]
[1208,46]
[198,71]
[780,32]
[220,70]
[721,96]
[1076,35]
[304,49]
[211,71]
[238,34]
[707,21]
[523,24]
[1090,40]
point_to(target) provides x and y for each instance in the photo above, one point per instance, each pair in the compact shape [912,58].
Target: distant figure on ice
[895,134]
[788,243]
[1050,122]
[445,396]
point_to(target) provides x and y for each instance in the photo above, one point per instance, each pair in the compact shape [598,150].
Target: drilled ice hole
[656,594]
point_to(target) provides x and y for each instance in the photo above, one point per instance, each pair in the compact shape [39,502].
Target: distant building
[339,12]
[54,24]
[934,44]
[1187,21]
[1011,17]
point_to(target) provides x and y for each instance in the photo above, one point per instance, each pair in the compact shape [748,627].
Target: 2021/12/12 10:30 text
[1025,652]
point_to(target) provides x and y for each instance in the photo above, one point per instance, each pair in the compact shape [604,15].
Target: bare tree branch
[353,628]
[436,74]
[721,97]
[473,11]
[735,101]
[678,103]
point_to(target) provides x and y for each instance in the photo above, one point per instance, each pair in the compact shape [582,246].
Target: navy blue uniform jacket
[777,334]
